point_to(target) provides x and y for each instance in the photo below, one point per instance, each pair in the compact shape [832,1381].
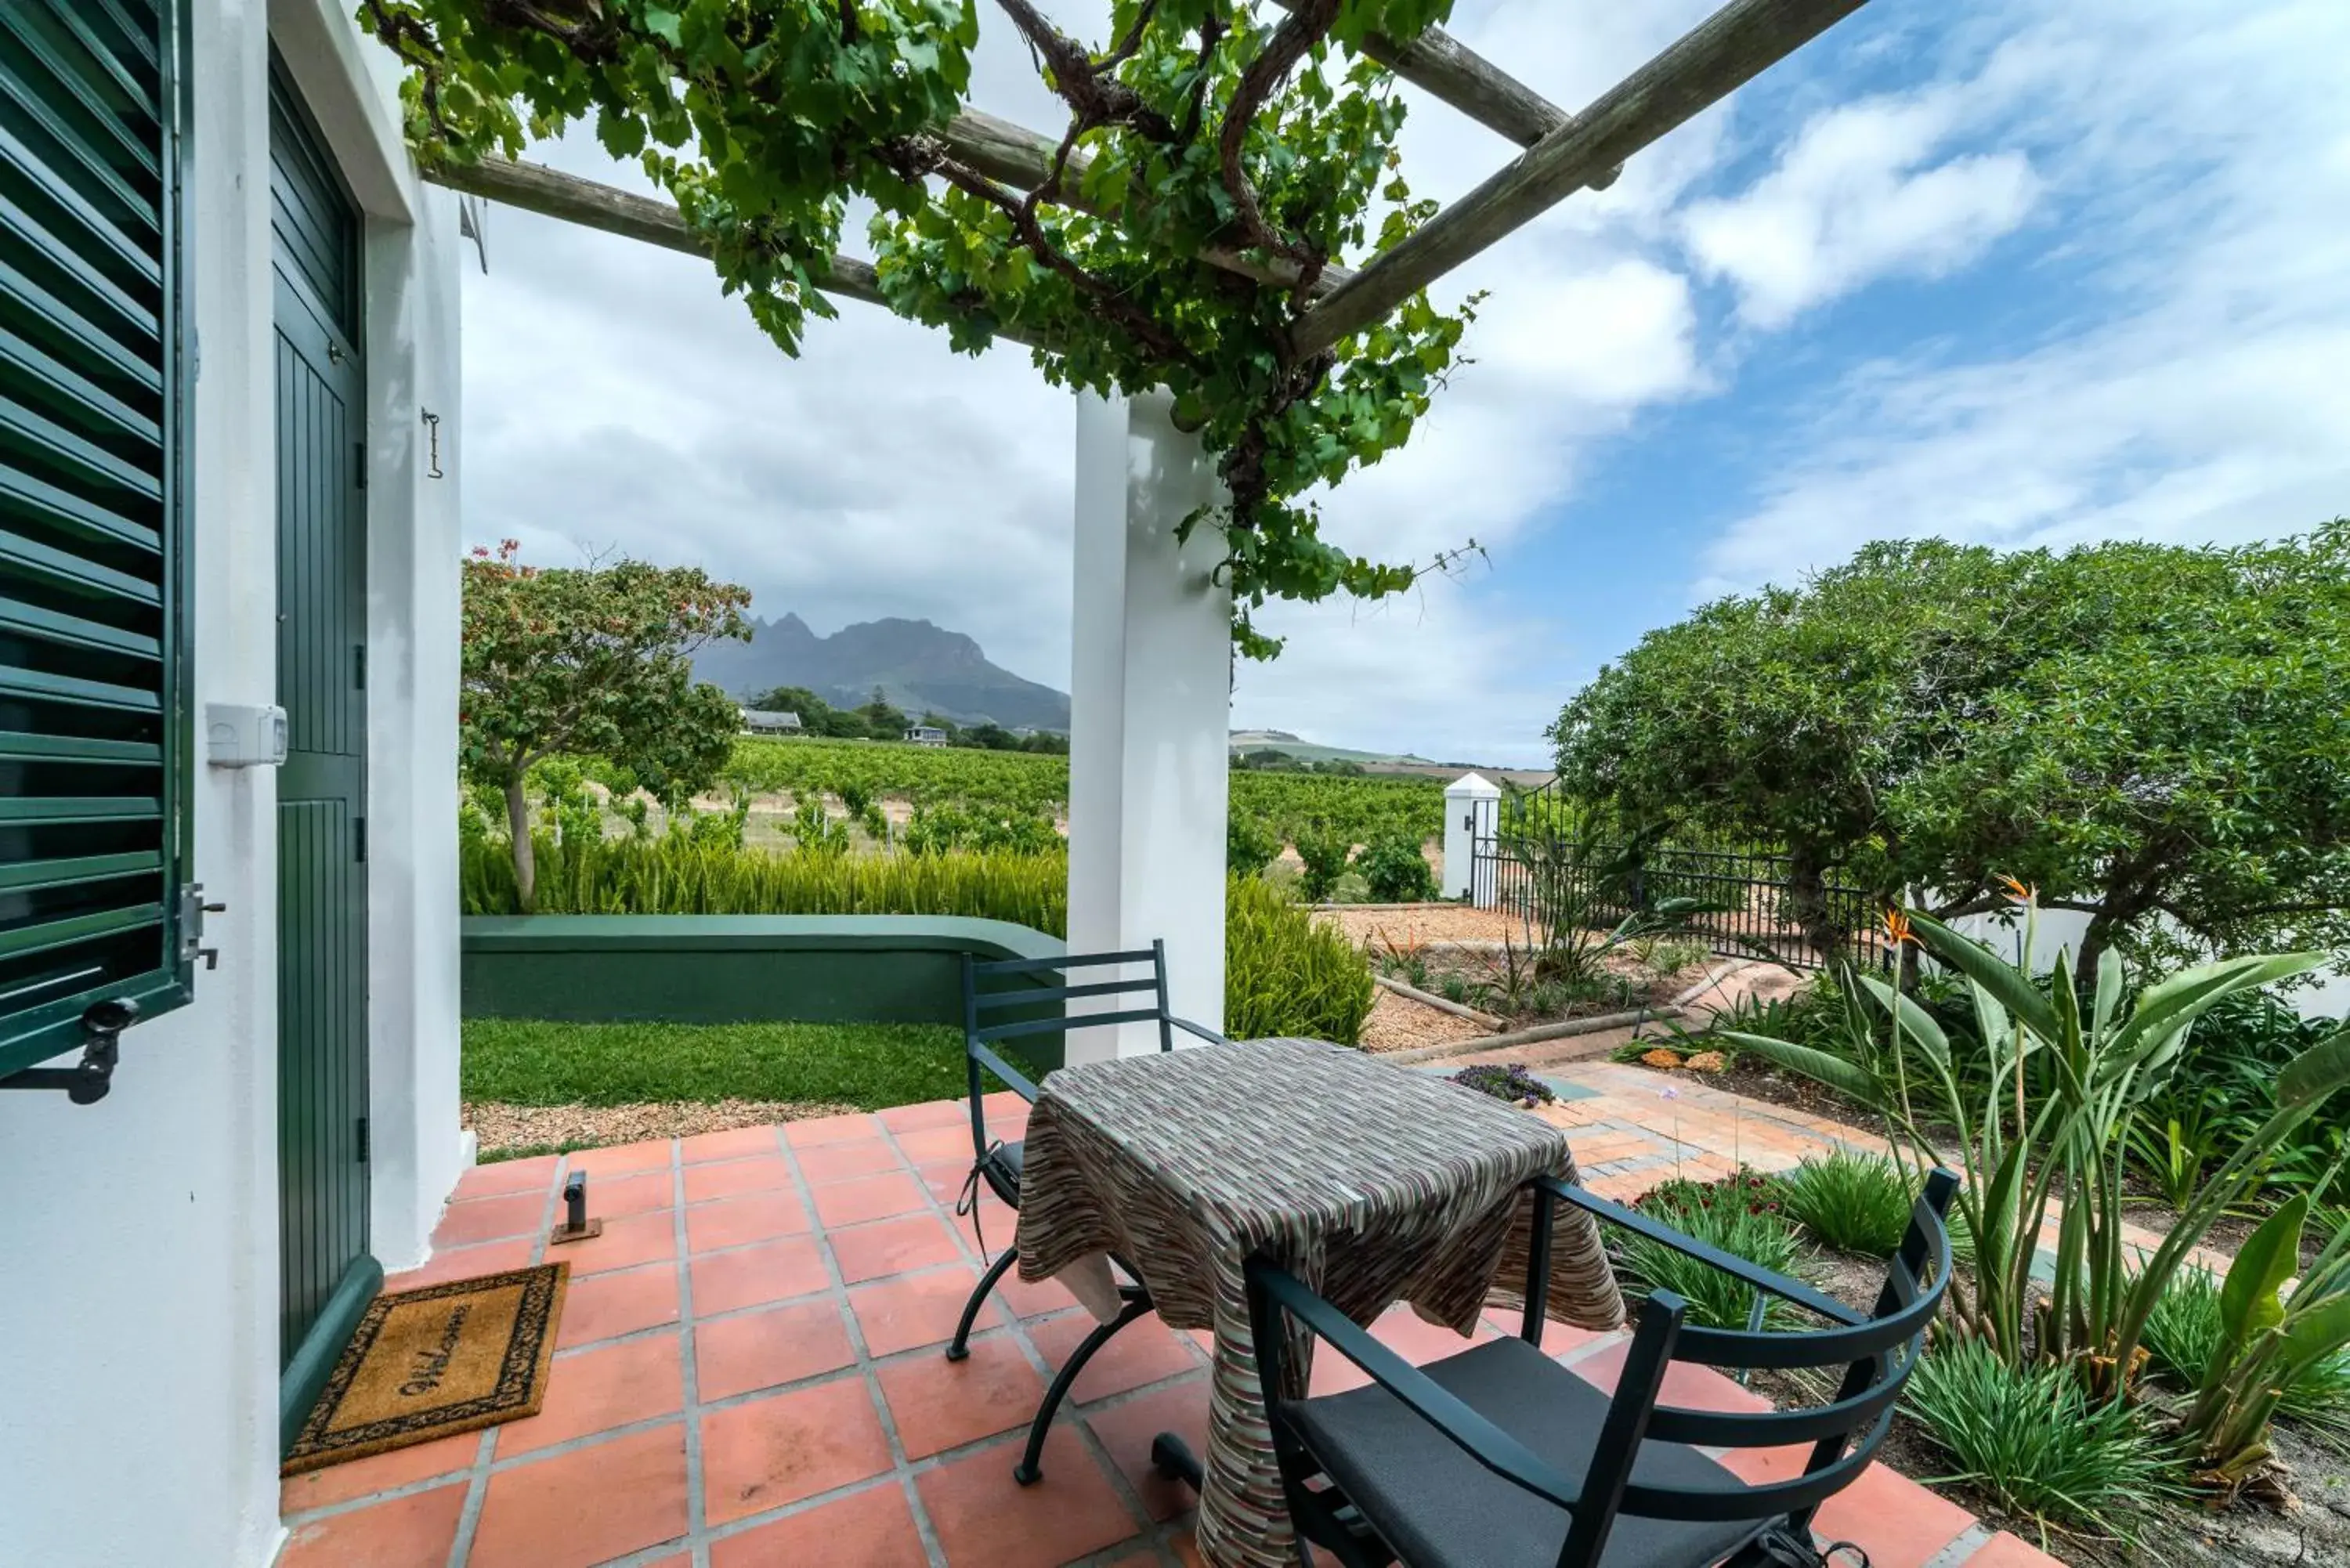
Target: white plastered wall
[138,1399]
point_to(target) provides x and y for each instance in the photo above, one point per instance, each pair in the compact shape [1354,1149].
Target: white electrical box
[239,736]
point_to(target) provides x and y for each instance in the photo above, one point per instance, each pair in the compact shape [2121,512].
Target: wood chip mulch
[1400,1024]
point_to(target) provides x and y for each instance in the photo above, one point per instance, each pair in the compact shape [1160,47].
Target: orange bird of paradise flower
[1896,927]
[2022,892]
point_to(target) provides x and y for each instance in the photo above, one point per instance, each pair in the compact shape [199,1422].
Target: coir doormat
[430,1363]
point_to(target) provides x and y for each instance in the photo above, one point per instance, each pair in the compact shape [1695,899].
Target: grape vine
[1205,128]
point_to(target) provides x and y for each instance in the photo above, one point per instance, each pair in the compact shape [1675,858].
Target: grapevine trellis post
[1158,600]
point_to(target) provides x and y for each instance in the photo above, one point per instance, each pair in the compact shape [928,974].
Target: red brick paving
[825,1422]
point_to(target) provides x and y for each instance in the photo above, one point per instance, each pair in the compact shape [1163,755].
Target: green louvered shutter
[93,737]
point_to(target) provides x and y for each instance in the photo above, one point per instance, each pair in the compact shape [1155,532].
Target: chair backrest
[992,1015]
[1876,1355]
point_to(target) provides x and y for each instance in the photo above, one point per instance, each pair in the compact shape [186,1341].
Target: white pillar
[1149,711]
[1471,805]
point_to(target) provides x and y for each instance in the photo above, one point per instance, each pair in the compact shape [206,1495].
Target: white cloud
[614,399]
[1854,199]
[2196,395]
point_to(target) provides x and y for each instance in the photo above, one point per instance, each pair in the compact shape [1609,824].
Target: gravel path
[499,1126]
[1416,923]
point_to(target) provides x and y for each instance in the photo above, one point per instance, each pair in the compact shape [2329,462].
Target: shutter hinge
[366,1149]
[87,1082]
[359,839]
[358,465]
[359,666]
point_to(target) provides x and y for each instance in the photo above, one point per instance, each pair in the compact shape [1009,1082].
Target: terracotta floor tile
[465,1264]
[1899,1523]
[985,1519]
[1417,1341]
[606,1306]
[2005,1551]
[991,1229]
[830,1129]
[892,1247]
[899,1313]
[406,1532]
[1691,1387]
[597,1389]
[761,1349]
[479,1219]
[766,1272]
[377,1472]
[731,1177]
[864,1198]
[1126,1428]
[771,1451]
[873,1529]
[507,1176]
[938,1145]
[1557,1339]
[611,1196]
[928,1114]
[1144,1351]
[587,1506]
[754,1217]
[840,1161]
[628,1240]
[734,1143]
[940,1404]
[622,1159]
[1024,1298]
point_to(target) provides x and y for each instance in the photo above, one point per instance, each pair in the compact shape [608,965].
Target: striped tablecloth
[1370,1183]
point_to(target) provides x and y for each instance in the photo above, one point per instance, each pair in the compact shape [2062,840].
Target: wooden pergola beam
[535,188]
[1709,63]
[1452,73]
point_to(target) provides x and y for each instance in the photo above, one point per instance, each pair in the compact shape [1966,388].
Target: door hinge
[359,464]
[359,666]
[359,839]
[366,1149]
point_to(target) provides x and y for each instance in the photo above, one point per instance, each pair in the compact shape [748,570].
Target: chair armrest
[1755,1274]
[1463,1427]
[1202,1030]
[1014,1079]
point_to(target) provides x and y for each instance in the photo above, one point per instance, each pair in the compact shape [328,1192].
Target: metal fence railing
[1528,861]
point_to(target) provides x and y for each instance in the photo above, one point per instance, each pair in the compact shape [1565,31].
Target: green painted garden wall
[736,969]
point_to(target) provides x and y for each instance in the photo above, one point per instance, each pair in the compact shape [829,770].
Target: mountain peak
[920,666]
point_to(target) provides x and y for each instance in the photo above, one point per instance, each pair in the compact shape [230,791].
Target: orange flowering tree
[593,661]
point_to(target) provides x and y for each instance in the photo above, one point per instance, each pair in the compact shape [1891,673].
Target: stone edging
[1534,1036]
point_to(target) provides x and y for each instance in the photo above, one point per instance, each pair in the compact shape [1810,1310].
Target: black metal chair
[1501,1458]
[999,1164]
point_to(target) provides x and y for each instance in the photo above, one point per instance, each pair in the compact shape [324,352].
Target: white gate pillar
[1149,711]
[1471,805]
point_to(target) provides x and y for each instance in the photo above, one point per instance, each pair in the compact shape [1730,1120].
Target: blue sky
[2026,272]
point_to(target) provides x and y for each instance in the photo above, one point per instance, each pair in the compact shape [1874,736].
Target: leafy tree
[2137,729]
[1211,125]
[2194,763]
[594,661]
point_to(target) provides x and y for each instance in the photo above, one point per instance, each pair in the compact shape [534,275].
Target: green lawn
[869,1065]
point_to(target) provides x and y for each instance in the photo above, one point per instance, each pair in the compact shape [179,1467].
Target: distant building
[769,721]
[926,735]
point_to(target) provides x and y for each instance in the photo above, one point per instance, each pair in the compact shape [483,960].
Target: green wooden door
[322,1012]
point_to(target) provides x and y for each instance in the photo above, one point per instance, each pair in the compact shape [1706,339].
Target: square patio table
[1370,1183]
